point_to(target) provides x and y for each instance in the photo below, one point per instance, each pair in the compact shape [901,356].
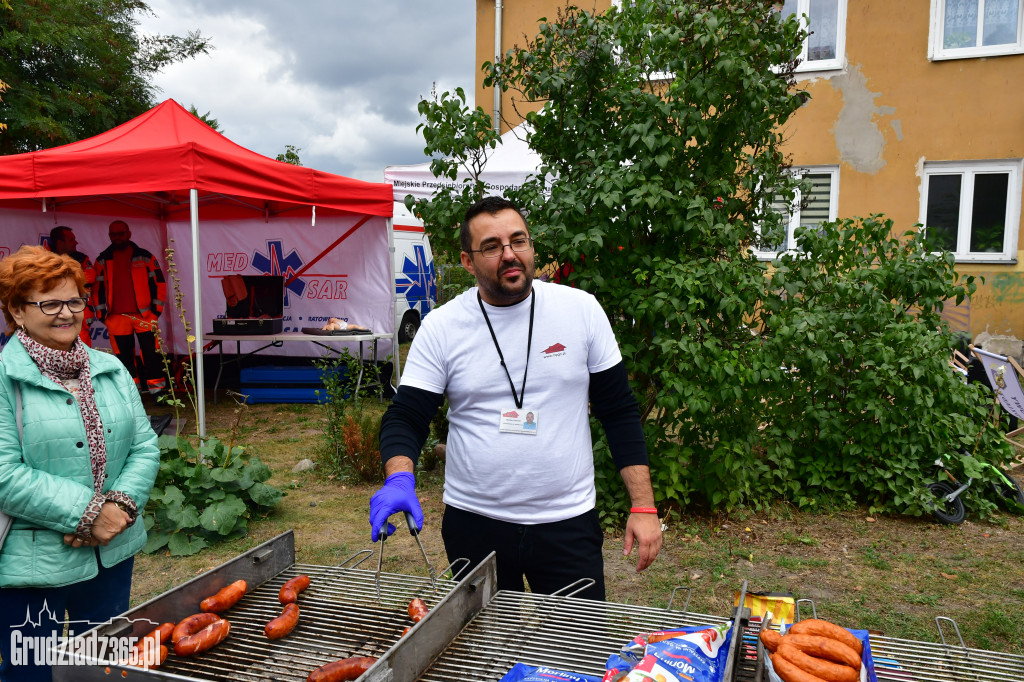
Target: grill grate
[559,632]
[340,617]
[904,660]
[472,632]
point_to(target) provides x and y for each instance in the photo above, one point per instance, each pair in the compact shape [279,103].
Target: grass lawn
[894,575]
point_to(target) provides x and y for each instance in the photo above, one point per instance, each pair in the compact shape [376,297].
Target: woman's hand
[111,521]
[73,541]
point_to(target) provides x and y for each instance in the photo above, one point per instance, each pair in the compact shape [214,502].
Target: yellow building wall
[879,119]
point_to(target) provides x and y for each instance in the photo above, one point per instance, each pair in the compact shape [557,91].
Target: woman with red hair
[77,463]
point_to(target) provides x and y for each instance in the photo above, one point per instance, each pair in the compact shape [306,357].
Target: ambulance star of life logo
[419,283]
[554,351]
[274,262]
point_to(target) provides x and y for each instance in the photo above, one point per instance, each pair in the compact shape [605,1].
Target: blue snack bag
[696,654]
[522,672]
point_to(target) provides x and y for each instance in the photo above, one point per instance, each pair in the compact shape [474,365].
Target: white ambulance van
[415,276]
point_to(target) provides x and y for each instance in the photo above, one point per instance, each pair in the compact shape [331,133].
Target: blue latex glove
[398,494]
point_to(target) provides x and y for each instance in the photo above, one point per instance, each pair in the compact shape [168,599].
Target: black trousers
[152,365]
[551,556]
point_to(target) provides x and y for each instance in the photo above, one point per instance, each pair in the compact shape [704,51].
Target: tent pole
[193,201]
[394,304]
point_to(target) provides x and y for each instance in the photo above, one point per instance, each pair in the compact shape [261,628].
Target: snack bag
[522,672]
[694,654]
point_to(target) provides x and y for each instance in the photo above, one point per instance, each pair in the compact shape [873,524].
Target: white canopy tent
[508,166]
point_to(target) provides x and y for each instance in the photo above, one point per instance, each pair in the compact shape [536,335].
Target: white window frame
[937,29]
[834,64]
[1013,198]
[794,217]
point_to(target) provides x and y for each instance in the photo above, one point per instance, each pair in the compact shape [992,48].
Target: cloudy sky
[340,79]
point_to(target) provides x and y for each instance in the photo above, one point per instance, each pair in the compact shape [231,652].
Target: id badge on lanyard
[517,419]
[522,421]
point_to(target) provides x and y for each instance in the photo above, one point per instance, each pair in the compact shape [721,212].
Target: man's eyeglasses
[53,307]
[493,250]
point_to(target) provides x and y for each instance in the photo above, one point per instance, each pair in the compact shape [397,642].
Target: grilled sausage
[283,624]
[823,628]
[143,654]
[343,670]
[158,635]
[417,609]
[823,647]
[289,593]
[192,625]
[207,638]
[789,672]
[770,638]
[225,599]
[826,670]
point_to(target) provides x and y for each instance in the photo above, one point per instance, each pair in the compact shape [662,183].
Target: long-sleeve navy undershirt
[406,423]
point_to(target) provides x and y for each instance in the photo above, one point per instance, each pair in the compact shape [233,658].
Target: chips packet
[521,672]
[692,654]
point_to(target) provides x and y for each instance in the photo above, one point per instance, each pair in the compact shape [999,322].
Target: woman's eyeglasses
[53,306]
[494,250]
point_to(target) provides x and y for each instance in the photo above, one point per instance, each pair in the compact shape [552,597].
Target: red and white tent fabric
[165,171]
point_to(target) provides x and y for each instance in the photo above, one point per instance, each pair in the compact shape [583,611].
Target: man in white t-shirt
[520,361]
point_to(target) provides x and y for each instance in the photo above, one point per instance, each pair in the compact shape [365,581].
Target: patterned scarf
[59,365]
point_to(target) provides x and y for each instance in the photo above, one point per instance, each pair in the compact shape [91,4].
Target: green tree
[290,155]
[661,124]
[205,118]
[78,67]
[457,137]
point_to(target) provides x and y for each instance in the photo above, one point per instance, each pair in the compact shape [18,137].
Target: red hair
[33,268]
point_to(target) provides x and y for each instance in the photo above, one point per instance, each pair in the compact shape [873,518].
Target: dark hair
[57,233]
[489,205]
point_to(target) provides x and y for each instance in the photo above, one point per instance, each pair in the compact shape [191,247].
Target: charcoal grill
[903,660]
[472,632]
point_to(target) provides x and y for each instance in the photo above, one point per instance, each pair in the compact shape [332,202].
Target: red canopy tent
[166,163]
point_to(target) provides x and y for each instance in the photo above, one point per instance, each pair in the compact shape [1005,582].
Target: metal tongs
[413,531]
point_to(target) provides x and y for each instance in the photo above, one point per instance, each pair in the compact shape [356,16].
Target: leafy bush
[204,496]
[361,438]
[352,432]
[865,400]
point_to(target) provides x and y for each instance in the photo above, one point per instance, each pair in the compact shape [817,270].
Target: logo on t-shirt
[554,351]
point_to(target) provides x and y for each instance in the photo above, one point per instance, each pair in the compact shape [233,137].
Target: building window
[825,22]
[975,28]
[814,203]
[972,209]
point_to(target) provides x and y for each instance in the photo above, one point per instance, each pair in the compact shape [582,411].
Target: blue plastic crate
[283,395]
[283,384]
[281,374]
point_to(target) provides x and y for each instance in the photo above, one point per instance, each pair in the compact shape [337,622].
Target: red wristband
[643,510]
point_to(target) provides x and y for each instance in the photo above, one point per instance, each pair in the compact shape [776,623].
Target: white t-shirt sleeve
[603,350]
[425,367]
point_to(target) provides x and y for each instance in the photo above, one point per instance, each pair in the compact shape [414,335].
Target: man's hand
[398,494]
[645,529]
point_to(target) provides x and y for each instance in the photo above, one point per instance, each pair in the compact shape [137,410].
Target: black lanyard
[529,341]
